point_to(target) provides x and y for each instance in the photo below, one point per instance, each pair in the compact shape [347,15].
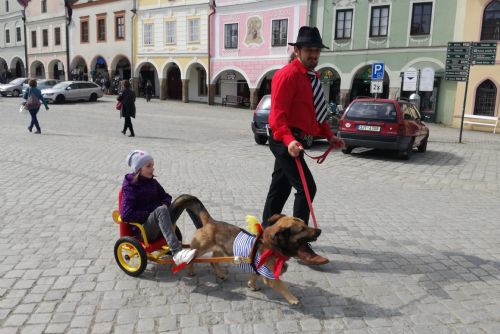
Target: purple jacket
[141,198]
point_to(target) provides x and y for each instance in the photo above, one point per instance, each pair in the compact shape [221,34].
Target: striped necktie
[318,97]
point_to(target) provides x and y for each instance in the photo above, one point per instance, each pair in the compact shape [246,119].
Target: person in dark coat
[127,98]
[149,91]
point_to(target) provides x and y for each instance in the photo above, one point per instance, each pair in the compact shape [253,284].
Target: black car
[260,122]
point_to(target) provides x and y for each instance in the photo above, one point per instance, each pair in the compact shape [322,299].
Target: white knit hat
[138,159]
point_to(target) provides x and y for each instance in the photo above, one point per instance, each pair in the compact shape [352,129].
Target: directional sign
[410,80]
[377,87]
[378,71]
[457,61]
[484,53]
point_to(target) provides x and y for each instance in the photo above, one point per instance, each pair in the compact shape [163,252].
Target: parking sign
[378,71]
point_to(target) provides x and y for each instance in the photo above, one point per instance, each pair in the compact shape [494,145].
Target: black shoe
[38,132]
[124,132]
[30,129]
[131,135]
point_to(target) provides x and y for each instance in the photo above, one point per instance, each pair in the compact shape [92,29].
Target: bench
[232,99]
[481,120]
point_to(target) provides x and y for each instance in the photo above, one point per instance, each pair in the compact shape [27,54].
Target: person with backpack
[34,100]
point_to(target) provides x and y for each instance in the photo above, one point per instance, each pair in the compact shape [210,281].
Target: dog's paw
[293,301]
[253,286]
[223,276]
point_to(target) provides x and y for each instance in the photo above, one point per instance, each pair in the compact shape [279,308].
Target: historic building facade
[12,55]
[46,39]
[404,35]
[249,44]
[101,37]
[171,48]
[483,93]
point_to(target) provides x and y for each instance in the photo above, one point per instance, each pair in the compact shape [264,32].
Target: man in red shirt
[298,108]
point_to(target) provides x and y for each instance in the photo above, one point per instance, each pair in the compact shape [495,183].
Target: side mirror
[68,88]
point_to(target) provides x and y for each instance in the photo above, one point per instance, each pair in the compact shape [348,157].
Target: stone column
[344,97]
[253,98]
[211,94]
[185,90]
[135,86]
[163,88]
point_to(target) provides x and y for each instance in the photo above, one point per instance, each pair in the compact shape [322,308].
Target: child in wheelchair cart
[145,201]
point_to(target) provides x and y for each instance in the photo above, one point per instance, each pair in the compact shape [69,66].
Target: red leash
[319,159]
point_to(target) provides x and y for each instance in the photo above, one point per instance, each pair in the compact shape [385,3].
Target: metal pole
[465,96]
[26,66]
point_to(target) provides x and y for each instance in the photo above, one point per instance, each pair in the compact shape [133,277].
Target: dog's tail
[196,210]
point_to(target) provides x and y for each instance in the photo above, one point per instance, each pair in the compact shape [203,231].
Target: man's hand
[294,149]
[336,142]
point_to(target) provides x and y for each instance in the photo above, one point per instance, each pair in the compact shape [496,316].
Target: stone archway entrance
[37,70]
[330,79]
[231,82]
[174,83]
[79,70]
[3,71]
[17,68]
[147,72]
[362,81]
[56,70]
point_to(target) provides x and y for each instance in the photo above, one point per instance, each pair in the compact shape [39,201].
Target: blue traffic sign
[378,71]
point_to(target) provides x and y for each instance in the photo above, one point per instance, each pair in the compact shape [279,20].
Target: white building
[46,39]
[12,53]
[172,48]
[101,37]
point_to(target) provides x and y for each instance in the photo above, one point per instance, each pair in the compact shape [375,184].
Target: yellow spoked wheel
[130,256]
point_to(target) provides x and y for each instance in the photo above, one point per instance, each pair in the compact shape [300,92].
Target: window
[193,30]
[18,34]
[44,6]
[6,6]
[33,39]
[148,34]
[421,18]
[280,32]
[84,31]
[491,22]
[343,24]
[57,36]
[486,96]
[120,27]
[379,21]
[7,36]
[202,83]
[170,28]
[45,37]
[231,36]
[101,29]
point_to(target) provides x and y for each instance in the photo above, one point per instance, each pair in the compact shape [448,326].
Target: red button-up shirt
[292,105]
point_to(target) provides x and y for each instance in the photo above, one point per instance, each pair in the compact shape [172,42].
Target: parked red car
[383,124]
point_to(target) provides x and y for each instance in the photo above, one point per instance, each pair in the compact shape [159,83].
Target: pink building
[249,43]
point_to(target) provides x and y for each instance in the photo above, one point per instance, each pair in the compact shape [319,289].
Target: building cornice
[92,4]
[11,16]
[439,48]
[47,20]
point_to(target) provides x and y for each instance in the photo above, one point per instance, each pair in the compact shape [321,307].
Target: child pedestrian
[145,201]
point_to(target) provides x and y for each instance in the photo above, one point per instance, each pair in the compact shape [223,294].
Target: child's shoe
[184,256]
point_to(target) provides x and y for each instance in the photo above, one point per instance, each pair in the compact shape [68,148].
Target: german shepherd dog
[284,236]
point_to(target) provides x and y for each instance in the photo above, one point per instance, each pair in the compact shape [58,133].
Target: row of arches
[11,70]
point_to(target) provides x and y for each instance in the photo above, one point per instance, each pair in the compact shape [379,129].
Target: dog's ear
[274,218]
[283,234]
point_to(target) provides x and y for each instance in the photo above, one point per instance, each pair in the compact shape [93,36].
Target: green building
[406,35]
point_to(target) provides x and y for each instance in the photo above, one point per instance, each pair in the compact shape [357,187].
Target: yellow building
[481,23]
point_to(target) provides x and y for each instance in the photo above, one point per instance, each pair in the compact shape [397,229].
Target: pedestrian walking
[149,91]
[145,201]
[34,100]
[127,99]
[298,110]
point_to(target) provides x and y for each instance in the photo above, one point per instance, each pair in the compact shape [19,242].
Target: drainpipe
[26,66]
[68,22]
[132,63]
[212,12]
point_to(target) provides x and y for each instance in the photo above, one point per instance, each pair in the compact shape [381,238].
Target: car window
[74,86]
[18,81]
[90,85]
[61,85]
[369,110]
[265,103]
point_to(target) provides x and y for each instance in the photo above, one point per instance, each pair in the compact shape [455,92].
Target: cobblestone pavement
[414,245]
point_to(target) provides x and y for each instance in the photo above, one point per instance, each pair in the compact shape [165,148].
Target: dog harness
[242,247]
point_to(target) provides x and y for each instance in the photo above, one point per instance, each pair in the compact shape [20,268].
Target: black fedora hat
[309,36]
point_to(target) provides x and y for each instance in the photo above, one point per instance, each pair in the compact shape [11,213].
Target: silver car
[14,88]
[72,91]
[42,84]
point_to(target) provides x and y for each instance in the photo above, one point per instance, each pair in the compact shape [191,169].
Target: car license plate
[374,128]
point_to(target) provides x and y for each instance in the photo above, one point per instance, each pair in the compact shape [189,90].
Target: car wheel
[347,150]
[15,93]
[3,94]
[93,97]
[60,99]
[423,145]
[307,141]
[261,140]
[406,154]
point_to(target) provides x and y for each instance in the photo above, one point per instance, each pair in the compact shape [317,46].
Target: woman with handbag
[126,105]
[34,100]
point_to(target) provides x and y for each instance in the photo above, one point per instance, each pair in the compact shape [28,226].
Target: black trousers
[128,125]
[285,176]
